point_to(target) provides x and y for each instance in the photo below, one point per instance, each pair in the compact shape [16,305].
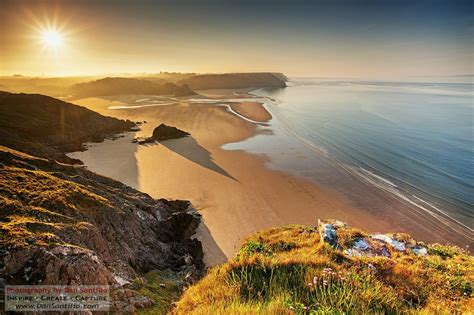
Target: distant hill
[118,86]
[48,127]
[236,81]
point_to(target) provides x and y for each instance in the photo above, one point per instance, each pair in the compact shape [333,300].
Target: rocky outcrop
[367,245]
[162,133]
[48,127]
[62,224]
[236,81]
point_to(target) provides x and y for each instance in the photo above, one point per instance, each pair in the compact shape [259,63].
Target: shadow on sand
[213,255]
[191,150]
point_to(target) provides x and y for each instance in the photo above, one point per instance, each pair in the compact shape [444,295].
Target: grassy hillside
[48,127]
[290,271]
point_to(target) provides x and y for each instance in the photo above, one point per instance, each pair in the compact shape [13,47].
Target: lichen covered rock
[370,245]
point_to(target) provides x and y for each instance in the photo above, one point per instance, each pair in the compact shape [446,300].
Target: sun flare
[51,38]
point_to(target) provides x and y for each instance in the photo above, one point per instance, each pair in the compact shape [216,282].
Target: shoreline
[252,110]
[234,200]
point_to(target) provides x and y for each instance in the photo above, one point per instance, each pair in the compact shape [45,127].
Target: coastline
[234,200]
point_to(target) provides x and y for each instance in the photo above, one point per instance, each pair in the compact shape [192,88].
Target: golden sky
[301,38]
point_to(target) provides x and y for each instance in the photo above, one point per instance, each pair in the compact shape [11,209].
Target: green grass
[163,287]
[289,271]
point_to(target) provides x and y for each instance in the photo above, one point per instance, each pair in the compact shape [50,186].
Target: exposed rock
[59,265]
[128,301]
[372,245]
[327,230]
[162,133]
[420,251]
[400,246]
[360,244]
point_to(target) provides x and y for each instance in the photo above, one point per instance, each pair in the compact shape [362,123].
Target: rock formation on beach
[162,133]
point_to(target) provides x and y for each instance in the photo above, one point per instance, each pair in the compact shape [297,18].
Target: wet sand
[233,190]
[252,110]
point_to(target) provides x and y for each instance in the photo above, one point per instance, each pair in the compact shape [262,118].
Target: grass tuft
[289,271]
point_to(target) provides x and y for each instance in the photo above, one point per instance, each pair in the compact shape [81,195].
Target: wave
[388,186]
[379,177]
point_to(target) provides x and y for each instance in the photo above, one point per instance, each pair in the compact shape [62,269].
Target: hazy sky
[324,38]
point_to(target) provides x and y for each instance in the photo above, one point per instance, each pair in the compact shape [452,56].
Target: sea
[412,138]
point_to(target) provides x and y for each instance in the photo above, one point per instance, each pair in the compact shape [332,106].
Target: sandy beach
[252,110]
[233,190]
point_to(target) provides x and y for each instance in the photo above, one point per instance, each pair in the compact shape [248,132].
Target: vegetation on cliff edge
[288,270]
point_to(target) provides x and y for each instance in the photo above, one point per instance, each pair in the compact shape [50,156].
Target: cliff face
[235,81]
[121,86]
[47,127]
[63,225]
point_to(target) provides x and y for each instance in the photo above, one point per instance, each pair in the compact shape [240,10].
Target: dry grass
[288,270]
[36,205]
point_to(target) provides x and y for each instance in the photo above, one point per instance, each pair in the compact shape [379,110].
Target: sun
[51,38]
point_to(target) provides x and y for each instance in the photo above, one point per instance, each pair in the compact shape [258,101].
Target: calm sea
[413,139]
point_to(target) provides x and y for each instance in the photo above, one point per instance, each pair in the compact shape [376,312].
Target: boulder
[164,132]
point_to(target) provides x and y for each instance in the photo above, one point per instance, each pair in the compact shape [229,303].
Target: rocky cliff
[61,224]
